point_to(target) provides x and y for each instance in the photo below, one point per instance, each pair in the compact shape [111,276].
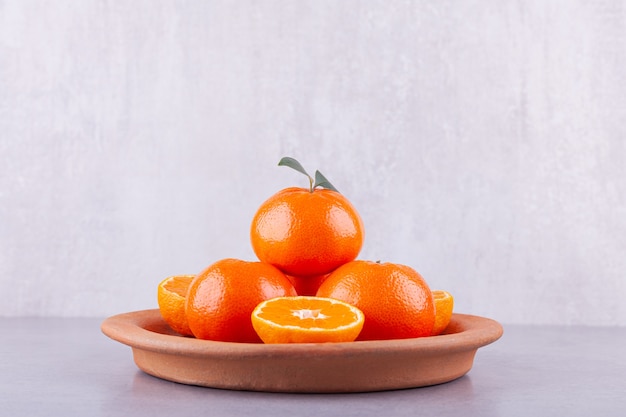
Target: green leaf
[321,181]
[292,163]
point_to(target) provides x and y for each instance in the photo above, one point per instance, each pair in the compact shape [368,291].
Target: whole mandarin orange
[221,298]
[395,299]
[307,286]
[306,233]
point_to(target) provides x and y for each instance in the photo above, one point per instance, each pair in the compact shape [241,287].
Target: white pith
[306,313]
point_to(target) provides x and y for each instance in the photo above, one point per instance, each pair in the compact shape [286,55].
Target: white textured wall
[483,143]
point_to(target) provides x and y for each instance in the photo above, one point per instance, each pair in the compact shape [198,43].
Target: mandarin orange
[307,286]
[307,231]
[444,304]
[171,296]
[395,299]
[306,320]
[222,297]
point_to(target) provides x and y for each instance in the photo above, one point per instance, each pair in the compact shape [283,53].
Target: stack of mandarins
[308,285]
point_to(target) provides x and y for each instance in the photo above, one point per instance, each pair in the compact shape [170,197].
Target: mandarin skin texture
[306,233]
[395,299]
[221,298]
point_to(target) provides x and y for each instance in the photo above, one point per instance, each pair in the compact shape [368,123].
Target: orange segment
[305,319]
[172,292]
[444,304]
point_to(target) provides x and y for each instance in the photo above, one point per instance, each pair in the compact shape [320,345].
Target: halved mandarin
[444,304]
[306,319]
[171,294]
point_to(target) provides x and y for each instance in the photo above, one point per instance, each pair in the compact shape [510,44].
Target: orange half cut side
[444,304]
[306,319]
[171,294]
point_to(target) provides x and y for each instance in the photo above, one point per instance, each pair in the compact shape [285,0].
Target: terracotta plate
[308,367]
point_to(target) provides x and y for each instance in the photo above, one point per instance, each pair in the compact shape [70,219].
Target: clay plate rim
[146,330]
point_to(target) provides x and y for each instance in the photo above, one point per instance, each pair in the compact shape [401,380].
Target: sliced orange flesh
[306,319]
[178,284]
[172,293]
[444,305]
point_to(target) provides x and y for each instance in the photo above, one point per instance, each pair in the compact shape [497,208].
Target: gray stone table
[67,367]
